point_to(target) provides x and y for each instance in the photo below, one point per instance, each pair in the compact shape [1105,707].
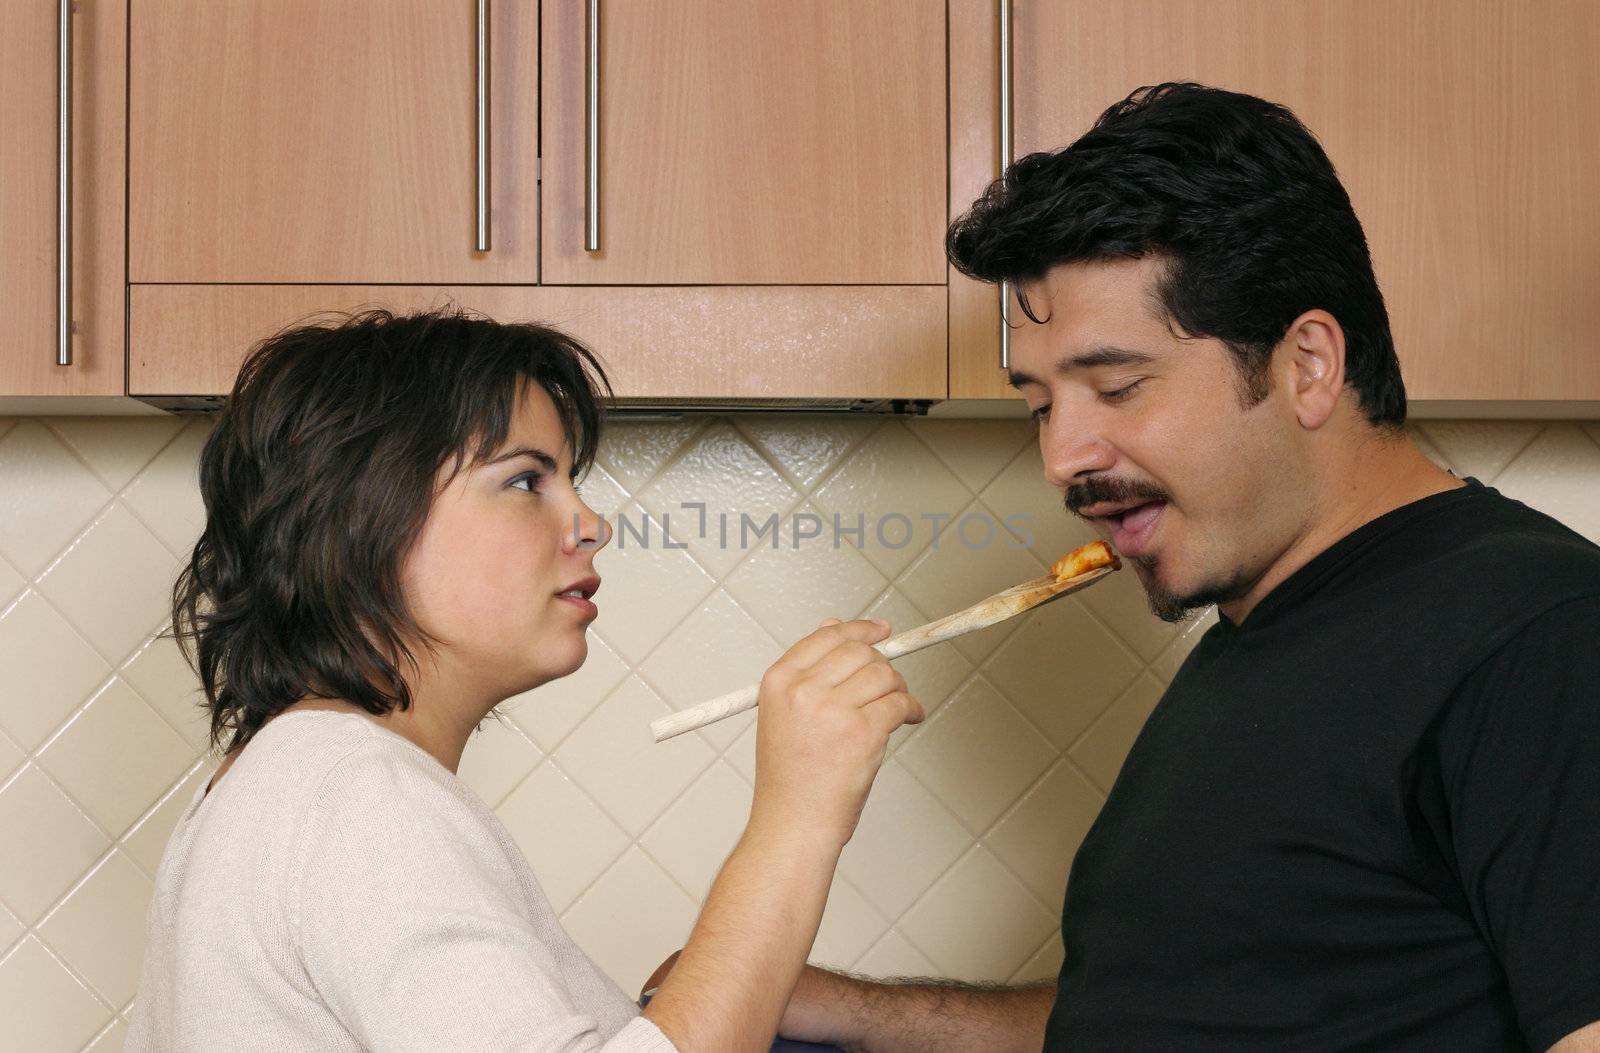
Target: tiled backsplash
[959,864]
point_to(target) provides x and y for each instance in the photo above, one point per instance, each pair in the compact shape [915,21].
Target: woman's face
[503,540]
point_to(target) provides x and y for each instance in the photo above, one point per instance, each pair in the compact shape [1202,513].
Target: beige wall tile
[11,755]
[499,755]
[147,841]
[1559,474]
[850,926]
[113,584]
[790,590]
[11,583]
[110,1040]
[631,919]
[99,929]
[636,451]
[47,496]
[115,448]
[894,955]
[116,756]
[1062,669]
[49,669]
[568,840]
[721,470]
[1038,838]
[944,580]
[166,496]
[905,840]
[1479,448]
[716,649]
[49,843]
[44,1008]
[646,588]
[975,450]
[695,834]
[1105,746]
[549,713]
[161,676]
[978,922]
[805,448]
[895,480]
[614,758]
[10,929]
[1044,966]
[977,754]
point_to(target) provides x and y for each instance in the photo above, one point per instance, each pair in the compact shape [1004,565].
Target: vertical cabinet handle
[591,143]
[1005,162]
[483,126]
[64,187]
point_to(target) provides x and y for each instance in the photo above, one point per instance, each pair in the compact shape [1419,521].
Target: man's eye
[1121,393]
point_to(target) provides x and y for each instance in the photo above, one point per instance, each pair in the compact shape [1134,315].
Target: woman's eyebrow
[545,460]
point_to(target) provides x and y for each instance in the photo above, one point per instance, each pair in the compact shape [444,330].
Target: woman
[395,544]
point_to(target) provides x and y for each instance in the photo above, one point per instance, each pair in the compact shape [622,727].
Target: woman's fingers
[810,650]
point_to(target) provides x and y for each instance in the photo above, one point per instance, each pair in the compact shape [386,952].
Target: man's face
[1147,436]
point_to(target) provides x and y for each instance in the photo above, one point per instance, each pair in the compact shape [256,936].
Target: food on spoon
[1082,560]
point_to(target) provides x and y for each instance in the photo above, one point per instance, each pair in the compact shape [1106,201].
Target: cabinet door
[330,140]
[1463,130]
[762,141]
[30,180]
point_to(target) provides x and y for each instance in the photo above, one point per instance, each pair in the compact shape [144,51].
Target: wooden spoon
[997,608]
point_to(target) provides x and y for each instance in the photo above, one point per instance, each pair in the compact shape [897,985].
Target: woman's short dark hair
[317,478]
[1238,198]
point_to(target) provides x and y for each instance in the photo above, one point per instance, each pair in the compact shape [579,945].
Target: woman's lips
[587,606]
[1133,530]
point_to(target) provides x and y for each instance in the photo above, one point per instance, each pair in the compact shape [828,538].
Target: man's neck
[1350,500]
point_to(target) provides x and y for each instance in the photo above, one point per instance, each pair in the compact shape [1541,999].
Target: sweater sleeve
[408,921]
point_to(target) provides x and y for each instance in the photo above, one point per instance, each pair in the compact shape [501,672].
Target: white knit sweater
[339,889]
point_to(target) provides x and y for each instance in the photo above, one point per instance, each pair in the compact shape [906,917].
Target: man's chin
[1168,603]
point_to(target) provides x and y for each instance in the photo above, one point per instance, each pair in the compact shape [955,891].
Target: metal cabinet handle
[64,187]
[1005,162]
[483,126]
[591,151]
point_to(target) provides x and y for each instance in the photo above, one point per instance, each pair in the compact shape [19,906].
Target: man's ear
[1312,351]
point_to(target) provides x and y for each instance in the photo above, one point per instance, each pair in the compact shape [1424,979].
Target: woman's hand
[827,709]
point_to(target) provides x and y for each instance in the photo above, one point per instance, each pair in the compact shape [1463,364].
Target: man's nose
[1073,451]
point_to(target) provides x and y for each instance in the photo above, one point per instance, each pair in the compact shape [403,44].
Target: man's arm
[917,1016]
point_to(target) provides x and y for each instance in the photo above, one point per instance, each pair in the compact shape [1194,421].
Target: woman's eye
[531,478]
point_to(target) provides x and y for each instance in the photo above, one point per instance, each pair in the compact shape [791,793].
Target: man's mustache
[1102,491]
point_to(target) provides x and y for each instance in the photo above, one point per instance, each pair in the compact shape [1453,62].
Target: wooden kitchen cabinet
[1463,130]
[758,142]
[320,141]
[703,343]
[30,178]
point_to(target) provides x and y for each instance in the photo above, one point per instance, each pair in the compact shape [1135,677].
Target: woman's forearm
[736,973]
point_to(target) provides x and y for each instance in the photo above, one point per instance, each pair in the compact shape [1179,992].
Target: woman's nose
[589,529]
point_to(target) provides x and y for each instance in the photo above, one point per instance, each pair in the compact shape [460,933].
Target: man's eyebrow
[1104,355]
[545,460]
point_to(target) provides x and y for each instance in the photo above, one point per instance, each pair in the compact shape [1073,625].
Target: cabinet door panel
[1463,130]
[319,141]
[29,182]
[702,343]
[764,141]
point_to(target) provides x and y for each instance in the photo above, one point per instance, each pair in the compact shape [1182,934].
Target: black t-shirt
[1368,817]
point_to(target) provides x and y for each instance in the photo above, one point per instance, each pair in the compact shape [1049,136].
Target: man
[1366,813]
